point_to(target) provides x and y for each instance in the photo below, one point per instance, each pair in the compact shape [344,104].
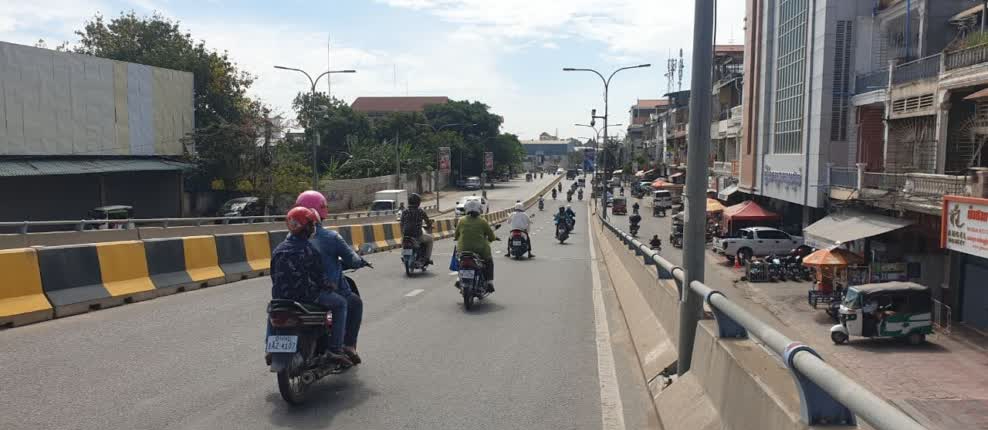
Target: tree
[336,123]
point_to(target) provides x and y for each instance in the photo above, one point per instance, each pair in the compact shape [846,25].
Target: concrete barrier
[22,299]
[232,256]
[276,237]
[166,266]
[258,249]
[201,260]
[124,270]
[71,279]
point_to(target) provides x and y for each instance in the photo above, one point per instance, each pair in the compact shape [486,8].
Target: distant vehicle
[571,174]
[579,171]
[113,212]
[662,199]
[463,201]
[472,183]
[388,200]
[758,241]
[619,206]
[560,171]
[241,206]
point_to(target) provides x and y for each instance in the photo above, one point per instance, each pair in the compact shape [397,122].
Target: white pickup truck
[759,241]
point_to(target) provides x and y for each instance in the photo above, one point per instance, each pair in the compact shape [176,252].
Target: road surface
[524,358]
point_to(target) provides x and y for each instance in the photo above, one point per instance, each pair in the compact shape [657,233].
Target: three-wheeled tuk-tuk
[888,309]
[619,206]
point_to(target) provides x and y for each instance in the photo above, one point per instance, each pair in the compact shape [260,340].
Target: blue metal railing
[827,396]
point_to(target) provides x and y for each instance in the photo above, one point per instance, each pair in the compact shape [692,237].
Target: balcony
[923,68]
[872,81]
[976,54]
[920,192]
[725,168]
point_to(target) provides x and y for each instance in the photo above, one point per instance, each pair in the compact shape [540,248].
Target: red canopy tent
[748,213]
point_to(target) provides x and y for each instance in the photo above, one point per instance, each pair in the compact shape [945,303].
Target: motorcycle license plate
[466,274]
[282,344]
[407,252]
[516,243]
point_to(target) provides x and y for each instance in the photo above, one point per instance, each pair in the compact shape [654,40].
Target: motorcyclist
[560,186]
[572,217]
[634,219]
[298,273]
[634,208]
[474,234]
[412,222]
[655,243]
[554,194]
[541,202]
[519,220]
[579,194]
[564,216]
[337,255]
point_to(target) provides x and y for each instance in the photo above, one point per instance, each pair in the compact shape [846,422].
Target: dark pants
[337,306]
[489,269]
[354,316]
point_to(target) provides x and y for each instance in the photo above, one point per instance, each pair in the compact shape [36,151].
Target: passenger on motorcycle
[655,243]
[565,217]
[635,219]
[635,207]
[474,234]
[337,255]
[413,220]
[297,273]
[572,217]
[519,220]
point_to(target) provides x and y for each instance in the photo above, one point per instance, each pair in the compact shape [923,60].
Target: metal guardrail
[966,57]
[871,81]
[827,396]
[23,227]
[846,177]
[923,68]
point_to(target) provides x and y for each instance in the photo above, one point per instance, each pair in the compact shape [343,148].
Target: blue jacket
[332,248]
[297,271]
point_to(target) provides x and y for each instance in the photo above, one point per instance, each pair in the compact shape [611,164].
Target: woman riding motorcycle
[474,234]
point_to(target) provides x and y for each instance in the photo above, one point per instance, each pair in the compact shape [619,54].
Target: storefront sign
[964,225]
[444,164]
[788,178]
[489,161]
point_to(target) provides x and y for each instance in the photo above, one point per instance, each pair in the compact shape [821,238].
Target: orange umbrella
[833,257]
[660,184]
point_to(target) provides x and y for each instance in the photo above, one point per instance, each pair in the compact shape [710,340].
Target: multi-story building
[675,127]
[725,127]
[643,128]
[547,152]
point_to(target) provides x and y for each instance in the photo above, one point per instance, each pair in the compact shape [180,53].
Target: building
[79,132]
[725,126]
[675,126]
[376,107]
[643,129]
[547,152]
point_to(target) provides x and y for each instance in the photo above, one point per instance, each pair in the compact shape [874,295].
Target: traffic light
[593,117]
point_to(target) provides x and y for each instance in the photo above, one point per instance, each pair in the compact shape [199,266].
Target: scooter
[633,229]
[541,204]
[579,195]
[519,245]
[562,232]
[472,282]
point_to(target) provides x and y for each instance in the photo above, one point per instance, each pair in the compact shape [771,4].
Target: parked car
[472,183]
[241,206]
[756,241]
[112,212]
[463,201]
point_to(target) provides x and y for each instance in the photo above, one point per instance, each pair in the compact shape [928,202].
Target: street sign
[444,164]
[489,161]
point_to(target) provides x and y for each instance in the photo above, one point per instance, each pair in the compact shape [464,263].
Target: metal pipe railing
[827,396]
[23,227]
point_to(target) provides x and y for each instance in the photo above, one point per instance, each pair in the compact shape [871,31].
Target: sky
[508,54]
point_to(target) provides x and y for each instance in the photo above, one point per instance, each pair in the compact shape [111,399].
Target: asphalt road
[502,196]
[524,358]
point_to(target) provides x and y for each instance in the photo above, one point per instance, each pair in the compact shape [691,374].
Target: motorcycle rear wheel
[290,385]
[408,268]
[467,296]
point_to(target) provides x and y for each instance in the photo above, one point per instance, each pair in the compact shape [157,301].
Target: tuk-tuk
[582,182]
[113,212]
[661,202]
[676,236]
[885,310]
[619,206]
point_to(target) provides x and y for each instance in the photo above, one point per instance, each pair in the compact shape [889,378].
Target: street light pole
[607,84]
[691,304]
[312,91]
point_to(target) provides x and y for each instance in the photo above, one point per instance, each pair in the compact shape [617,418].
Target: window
[791,76]
[772,234]
[842,69]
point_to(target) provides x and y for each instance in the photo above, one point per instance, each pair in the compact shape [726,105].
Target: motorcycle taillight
[407,243]
[516,235]
[283,319]
[468,263]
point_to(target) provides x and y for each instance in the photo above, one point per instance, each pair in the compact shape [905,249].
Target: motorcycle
[412,256]
[541,205]
[579,195]
[562,231]
[297,342]
[472,282]
[774,268]
[519,245]
[569,197]
[554,194]
[634,230]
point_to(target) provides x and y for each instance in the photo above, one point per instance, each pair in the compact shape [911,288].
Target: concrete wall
[60,103]
[344,195]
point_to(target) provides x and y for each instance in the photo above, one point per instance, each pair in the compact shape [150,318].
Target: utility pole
[691,304]
[397,162]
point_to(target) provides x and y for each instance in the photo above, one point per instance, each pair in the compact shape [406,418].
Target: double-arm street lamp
[436,131]
[607,84]
[312,90]
[595,140]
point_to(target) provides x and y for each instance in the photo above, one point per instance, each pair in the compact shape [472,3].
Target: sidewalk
[943,384]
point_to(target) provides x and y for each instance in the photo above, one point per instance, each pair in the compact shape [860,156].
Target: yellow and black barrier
[22,300]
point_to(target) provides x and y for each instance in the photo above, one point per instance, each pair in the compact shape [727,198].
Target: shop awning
[639,173]
[725,194]
[675,175]
[749,211]
[618,172]
[86,165]
[980,94]
[849,226]
[713,206]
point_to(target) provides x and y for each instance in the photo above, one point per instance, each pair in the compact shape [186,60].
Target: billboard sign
[964,225]
[488,161]
[444,164]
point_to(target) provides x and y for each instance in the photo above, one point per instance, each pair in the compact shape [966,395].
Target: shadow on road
[324,400]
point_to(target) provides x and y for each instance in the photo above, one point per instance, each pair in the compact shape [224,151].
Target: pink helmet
[313,200]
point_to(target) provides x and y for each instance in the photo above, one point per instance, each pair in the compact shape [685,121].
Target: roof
[848,226]
[545,142]
[728,48]
[81,166]
[396,104]
[650,103]
[981,94]
[749,211]
[890,286]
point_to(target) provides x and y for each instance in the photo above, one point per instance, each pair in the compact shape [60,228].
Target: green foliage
[336,122]
[974,39]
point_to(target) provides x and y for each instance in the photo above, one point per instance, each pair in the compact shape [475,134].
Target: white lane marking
[611,407]
[414,292]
